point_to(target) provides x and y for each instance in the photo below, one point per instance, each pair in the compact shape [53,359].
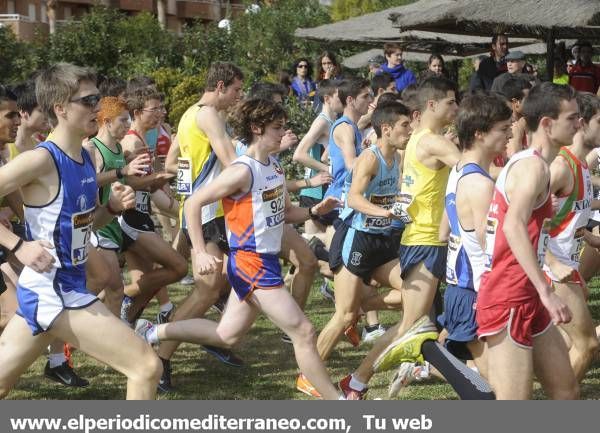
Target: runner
[256,205]
[571,183]
[516,306]
[58,183]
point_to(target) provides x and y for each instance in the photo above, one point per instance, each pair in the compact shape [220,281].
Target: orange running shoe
[67,351]
[303,385]
[352,334]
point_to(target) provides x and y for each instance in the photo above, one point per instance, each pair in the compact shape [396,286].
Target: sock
[166,307]
[356,384]
[468,384]
[371,328]
[56,359]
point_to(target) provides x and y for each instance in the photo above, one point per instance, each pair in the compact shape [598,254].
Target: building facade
[28,17]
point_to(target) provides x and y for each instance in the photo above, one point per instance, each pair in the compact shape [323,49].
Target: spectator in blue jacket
[302,84]
[394,66]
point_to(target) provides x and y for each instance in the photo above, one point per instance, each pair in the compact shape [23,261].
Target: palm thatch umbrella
[542,19]
[372,30]
[361,60]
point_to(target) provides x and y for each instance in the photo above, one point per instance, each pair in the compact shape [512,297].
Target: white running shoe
[369,337]
[407,373]
[188,280]
[142,328]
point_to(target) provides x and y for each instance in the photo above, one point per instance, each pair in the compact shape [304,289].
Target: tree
[18,59]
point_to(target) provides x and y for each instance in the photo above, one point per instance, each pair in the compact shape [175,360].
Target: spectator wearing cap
[375,64]
[515,66]
[395,67]
[584,76]
[494,65]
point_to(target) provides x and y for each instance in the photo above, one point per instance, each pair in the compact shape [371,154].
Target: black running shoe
[226,356]
[65,374]
[164,384]
[219,306]
[165,316]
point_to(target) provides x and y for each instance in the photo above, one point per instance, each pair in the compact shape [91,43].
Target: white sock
[166,307]
[56,359]
[356,384]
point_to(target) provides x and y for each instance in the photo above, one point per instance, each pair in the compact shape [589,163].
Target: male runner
[516,306]
[571,183]
[58,183]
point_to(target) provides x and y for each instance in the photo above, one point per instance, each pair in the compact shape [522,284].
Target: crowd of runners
[402,191]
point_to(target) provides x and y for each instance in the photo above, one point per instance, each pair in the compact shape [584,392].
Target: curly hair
[257,112]
[110,107]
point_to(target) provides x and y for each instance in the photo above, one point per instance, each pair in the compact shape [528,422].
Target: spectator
[435,68]
[585,75]
[375,64]
[302,84]
[515,66]
[494,65]
[475,82]
[328,67]
[395,67]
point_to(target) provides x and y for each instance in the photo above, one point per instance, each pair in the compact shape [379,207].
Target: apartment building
[27,17]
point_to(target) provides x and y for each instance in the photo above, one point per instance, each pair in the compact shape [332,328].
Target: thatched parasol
[362,59]
[542,19]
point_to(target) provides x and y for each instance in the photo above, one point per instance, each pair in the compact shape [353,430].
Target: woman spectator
[435,68]
[328,67]
[302,84]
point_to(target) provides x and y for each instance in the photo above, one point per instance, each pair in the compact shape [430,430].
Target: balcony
[22,26]
[212,10]
[135,5]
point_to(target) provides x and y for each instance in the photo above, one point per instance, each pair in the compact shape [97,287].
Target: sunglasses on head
[88,101]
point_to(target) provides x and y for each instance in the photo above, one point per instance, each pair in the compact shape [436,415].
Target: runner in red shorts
[516,307]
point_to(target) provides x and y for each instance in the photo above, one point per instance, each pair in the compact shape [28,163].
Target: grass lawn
[269,373]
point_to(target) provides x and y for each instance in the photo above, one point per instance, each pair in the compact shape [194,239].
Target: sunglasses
[302,66]
[90,101]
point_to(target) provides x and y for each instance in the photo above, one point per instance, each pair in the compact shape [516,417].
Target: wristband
[119,173]
[111,210]
[17,246]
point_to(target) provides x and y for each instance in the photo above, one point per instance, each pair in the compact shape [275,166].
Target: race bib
[384,201]
[273,207]
[454,243]
[184,176]
[543,242]
[142,200]
[490,240]
[577,245]
[81,232]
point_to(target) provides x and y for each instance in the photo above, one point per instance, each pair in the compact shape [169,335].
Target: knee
[149,366]
[592,346]
[180,267]
[346,318]
[228,340]
[304,332]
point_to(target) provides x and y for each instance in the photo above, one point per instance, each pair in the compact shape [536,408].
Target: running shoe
[165,316]
[142,328]
[408,347]
[226,356]
[188,280]
[351,333]
[65,374]
[303,385]
[286,339]
[67,350]
[349,392]
[164,384]
[219,306]
[125,307]
[371,336]
[407,373]
[326,290]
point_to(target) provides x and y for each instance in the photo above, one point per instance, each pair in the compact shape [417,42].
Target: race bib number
[142,199]
[490,240]
[454,243]
[404,200]
[577,246]
[543,242]
[384,201]
[81,232]
[273,206]
[184,176]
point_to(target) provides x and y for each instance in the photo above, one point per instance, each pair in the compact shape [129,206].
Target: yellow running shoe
[408,347]
[303,385]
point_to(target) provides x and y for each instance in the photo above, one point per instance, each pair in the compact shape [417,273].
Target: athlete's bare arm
[365,168]
[209,121]
[523,197]
[477,192]
[435,151]
[444,232]
[343,135]
[561,177]
[172,155]
[318,130]
[296,215]
[133,147]
[236,178]
[122,197]
[592,159]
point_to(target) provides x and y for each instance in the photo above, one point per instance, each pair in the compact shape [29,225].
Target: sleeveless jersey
[163,142]
[204,164]
[66,222]
[504,281]
[255,219]
[466,259]
[338,167]
[151,139]
[381,191]
[111,160]
[569,223]
[426,188]
[315,152]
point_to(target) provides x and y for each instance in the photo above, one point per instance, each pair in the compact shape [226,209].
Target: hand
[559,311]
[122,197]
[327,205]
[206,263]
[5,216]
[322,178]
[34,255]
[555,203]
[138,166]
[365,144]
[560,271]
[288,140]
[161,179]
